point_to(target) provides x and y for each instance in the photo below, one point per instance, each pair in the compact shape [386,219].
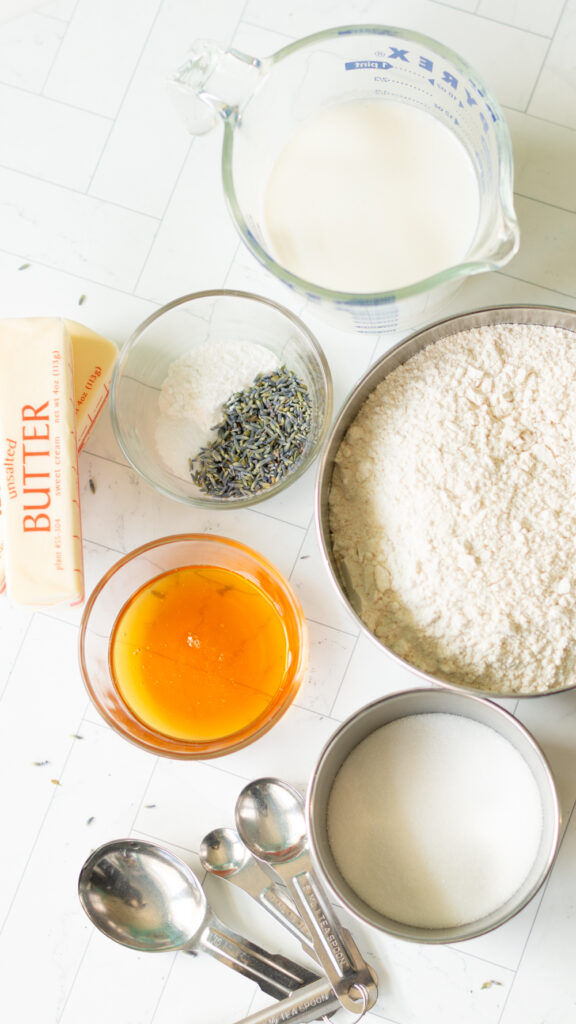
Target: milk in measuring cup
[370,196]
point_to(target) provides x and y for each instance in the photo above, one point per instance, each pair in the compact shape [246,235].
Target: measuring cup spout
[506,240]
[498,239]
[212,82]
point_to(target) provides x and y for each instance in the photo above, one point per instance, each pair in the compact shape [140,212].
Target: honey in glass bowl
[193,646]
[200,653]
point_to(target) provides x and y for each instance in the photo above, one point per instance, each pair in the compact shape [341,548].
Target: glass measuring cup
[263,101]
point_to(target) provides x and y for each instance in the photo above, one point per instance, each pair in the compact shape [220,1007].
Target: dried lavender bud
[263,435]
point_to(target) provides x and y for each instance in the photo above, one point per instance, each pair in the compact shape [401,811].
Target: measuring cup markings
[448,84]
[461,121]
[428,65]
[357,65]
[261,102]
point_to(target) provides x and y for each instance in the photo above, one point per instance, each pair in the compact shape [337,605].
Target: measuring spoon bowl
[223,854]
[271,821]
[144,897]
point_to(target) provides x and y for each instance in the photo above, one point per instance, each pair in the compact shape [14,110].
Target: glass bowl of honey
[193,646]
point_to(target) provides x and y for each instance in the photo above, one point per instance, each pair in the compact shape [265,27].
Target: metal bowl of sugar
[221,399]
[433,816]
[444,502]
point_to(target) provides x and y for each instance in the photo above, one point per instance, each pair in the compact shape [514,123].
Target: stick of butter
[93,357]
[39,480]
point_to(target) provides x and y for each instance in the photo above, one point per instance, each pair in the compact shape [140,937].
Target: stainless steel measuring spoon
[223,854]
[271,822]
[144,897]
[303,1005]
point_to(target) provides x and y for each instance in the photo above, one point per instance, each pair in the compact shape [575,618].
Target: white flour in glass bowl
[193,394]
[453,507]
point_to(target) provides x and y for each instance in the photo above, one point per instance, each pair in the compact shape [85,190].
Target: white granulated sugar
[194,391]
[453,509]
[446,819]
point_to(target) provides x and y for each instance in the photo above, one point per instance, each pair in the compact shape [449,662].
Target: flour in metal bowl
[452,509]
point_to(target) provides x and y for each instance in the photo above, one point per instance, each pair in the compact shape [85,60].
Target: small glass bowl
[147,563]
[209,318]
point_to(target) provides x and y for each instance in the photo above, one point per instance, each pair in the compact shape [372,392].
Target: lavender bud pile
[262,437]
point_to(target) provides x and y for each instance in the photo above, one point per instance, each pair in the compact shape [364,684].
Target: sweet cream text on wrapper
[52,388]
[93,358]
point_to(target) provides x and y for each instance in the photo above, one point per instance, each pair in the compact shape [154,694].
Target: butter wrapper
[39,480]
[93,358]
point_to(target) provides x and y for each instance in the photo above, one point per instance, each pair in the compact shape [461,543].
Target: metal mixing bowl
[546,316]
[414,702]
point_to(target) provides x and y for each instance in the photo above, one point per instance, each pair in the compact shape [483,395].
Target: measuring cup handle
[213,82]
[276,975]
[307,1004]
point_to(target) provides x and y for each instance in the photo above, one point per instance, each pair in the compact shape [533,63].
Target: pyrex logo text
[386,60]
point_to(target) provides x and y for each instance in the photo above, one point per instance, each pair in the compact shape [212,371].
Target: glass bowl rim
[318,356]
[194,751]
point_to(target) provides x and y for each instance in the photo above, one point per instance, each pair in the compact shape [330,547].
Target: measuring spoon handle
[276,975]
[307,1004]
[280,906]
[254,880]
[321,921]
[335,948]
